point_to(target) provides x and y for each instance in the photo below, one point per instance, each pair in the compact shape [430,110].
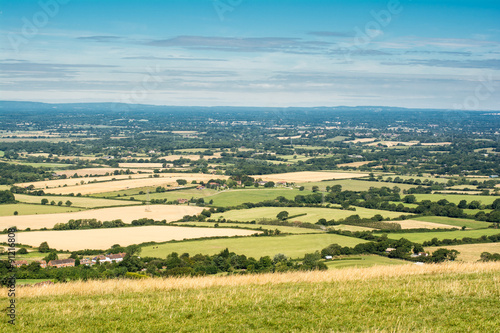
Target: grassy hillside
[400,298]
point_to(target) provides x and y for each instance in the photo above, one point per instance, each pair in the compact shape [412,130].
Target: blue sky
[409,53]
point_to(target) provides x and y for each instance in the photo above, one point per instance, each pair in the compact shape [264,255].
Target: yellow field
[354,164]
[469,252]
[73,240]
[309,176]
[362,140]
[122,183]
[88,171]
[414,224]
[393,143]
[126,214]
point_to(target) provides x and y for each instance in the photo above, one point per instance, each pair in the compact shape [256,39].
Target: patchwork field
[313,214]
[309,176]
[83,202]
[455,222]
[458,297]
[294,246]
[8,210]
[469,252]
[73,240]
[126,214]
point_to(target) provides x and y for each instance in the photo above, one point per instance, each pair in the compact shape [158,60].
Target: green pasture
[32,209]
[294,246]
[313,214]
[237,197]
[338,139]
[284,229]
[420,237]
[363,261]
[354,185]
[456,198]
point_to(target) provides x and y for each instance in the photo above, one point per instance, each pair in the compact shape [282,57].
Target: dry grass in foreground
[98,287]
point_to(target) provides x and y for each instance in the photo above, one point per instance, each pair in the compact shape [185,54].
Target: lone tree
[44,247]
[45,201]
[282,215]
[181,181]
[68,203]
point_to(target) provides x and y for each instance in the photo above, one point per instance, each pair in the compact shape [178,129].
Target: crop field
[293,246]
[459,297]
[469,252]
[310,176]
[459,234]
[81,202]
[363,261]
[416,224]
[456,198]
[354,164]
[455,222]
[73,240]
[72,182]
[354,185]
[88,171]
[313,214]
[284,229]
[126,214]
[8,210]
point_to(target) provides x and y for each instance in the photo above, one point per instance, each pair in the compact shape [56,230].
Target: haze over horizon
[412,54]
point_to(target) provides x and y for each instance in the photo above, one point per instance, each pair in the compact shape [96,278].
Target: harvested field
[415,224]
[126,214]
[354,164]
[88,171]
[141,165]
[83,202]
[73,240]
[122,182]
[469,252]
[362,140]
[393,143]
[309,176]
[436,144]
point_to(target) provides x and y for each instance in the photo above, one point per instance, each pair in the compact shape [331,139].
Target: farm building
[109,258]
[62,263]
[19,263]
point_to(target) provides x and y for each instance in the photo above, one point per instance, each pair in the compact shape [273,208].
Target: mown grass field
[420,237]
[363,261]
[29,209]
[398,298]
[313,214]
[456,198]
[82,202]
[455,222]
[293,246]
[237,197]
[469,252]
[290,230]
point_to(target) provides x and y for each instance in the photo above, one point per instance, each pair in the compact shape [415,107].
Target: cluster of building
[71,262]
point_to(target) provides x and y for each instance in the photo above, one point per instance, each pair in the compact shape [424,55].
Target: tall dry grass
[101,287]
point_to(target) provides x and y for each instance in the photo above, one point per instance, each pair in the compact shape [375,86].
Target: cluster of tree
[26,190]
[88,224]
[19,173]
[486,256]
[7,197]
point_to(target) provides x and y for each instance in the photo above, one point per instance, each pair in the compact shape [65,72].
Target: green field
[337,139]
[459,234]
[290,230]
[354,185]
[83,202]
[237,197]
[294,246]
[456,198]
[313,214]
[346,300]
[363,261]
[30,209]
[456,222]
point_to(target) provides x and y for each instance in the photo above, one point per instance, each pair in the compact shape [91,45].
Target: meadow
[103,239]
[293,246]
[455,222]
[30,209]
[353,185]
[456,198]
[313,214]
[284,229]
[399,298]
[238,197]
[363,261]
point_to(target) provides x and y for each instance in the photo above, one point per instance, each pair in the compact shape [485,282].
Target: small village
[70,262]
